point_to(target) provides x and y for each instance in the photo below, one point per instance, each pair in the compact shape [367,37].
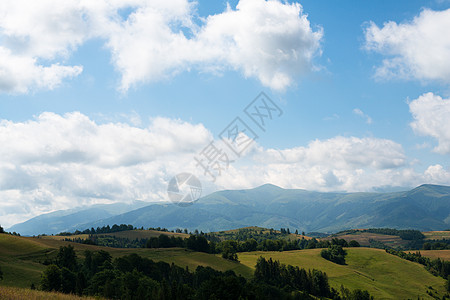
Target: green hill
[21,258]
[385,276]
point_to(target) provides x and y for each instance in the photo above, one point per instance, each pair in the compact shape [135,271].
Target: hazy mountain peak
[268,186]
[431,188]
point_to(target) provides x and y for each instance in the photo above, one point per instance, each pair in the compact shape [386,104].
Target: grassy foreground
[385,276]
[12,293]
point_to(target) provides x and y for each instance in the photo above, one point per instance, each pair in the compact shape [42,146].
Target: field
[130,234]
[434,254]
[437,235]
[363,238]
[144,234]
[258,232]
[385,276]
[12,293]
[63,237]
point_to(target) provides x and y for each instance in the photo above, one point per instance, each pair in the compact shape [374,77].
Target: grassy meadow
[385,276]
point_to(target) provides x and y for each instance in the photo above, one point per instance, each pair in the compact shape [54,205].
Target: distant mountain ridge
[426,207]
[72,219]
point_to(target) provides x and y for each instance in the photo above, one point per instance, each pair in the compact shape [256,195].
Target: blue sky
[106,102]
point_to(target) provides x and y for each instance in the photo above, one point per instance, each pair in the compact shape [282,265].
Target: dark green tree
[51,279]
[1,229]
[353,243]
[81,283]
[67,258]
[334,253]
[164,241]
[197,243]
[68,281]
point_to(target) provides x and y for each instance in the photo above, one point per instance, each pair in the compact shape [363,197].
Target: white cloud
[431,116]
[360,113]
[61,161]
[19,74]
[55,162]
[268,40]
[339,163]
[437,174]
[419,49]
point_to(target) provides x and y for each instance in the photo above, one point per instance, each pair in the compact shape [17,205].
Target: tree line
[229,248]
[100,230]
[404,234]
[11,233]
[135,277]
[437,245]
[203,242]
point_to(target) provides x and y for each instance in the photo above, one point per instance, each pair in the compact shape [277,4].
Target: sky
[106,101]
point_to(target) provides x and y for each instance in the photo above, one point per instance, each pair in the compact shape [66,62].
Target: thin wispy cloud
[360,113]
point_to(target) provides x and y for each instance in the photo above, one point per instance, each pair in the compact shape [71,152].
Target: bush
[51,279]
[354,243]
[334,253]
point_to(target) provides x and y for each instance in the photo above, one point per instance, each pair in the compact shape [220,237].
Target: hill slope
[385,276]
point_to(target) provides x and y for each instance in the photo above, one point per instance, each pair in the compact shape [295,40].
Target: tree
[197,243]
[1,229]
[353,243]
[51,279]
[67,258]
[68,281]
[230,255]
[426,246]
[164,241]
[81,283]
[334,253]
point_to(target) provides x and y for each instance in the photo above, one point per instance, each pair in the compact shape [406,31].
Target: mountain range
[426,207]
